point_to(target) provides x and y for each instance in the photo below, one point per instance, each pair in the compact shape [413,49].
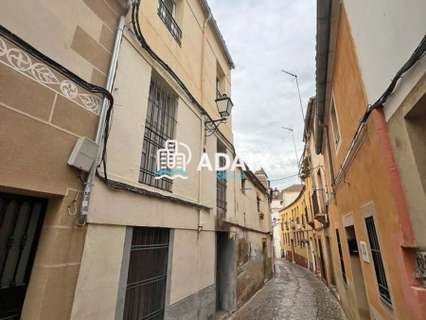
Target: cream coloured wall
[131,95]
[247,214]
[193,263]
[98,284]
[125,142]
[394,30]
[195,65]
[58,20]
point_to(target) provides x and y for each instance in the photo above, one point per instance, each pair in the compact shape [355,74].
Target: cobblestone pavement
[294,294]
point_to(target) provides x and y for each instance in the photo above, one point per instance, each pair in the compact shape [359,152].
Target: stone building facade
[369,140]
[191,247]
[298,230]
[44,111]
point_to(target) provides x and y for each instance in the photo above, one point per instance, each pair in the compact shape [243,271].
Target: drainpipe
[102,117]
[206,21]
[203,136]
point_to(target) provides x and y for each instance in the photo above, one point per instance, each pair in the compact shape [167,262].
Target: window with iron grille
[167,13]
[335,123]
[342,263]
[221,184]
[243,183]
[159,127]
[377,259]
[147,274]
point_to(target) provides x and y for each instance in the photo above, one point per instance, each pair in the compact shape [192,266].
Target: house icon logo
[170,162]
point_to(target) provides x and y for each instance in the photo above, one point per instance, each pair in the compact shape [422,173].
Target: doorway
[21,219]
[225,262]
[358,279]
[330,261]
[322,264]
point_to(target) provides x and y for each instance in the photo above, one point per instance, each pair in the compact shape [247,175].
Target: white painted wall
[385,33]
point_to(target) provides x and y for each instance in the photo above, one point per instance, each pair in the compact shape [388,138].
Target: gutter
[88,186]
[322,54]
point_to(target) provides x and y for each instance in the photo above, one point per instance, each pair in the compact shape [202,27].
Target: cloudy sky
[265,36]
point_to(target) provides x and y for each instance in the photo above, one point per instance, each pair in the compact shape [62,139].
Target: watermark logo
[171,163]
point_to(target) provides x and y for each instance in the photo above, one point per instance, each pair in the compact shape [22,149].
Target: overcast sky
[263,37]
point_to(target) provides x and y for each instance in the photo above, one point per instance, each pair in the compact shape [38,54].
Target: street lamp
[298,90]
[224,107]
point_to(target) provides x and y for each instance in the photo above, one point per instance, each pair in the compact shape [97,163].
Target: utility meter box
[84,154]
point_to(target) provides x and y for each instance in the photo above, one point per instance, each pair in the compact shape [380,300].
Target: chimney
[263,177]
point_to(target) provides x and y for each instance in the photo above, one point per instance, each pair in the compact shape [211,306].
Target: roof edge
[295,200]
[216,30]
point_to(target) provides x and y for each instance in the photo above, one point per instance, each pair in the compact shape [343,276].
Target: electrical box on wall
[84,154]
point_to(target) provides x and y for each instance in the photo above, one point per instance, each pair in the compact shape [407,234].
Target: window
[147,274]
[258,203]
[243,183]
[334,123]
[342,264]
[377,259]
[167,13]
[159,127]
[220,81]
[221,183]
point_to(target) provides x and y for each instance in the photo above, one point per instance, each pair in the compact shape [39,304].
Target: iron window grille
[377,260]
[147,274]
[221,184]
[159,127]
[334,122]
[243,183]
[167,13]
[342,263]
[218,88]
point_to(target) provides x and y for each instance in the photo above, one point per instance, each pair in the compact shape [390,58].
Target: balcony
[319,207]
[309,219]
[168,18]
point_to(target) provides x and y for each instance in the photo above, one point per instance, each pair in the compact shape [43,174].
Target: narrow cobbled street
[294,294]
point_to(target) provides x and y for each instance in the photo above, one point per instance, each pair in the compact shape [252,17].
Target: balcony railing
[319,206]
[170,22]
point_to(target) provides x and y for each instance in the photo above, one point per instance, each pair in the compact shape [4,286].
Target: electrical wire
[144,44]
[69,75]
[418,54]
[284,178]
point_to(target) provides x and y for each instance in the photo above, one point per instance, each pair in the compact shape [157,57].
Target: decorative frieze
[24,63]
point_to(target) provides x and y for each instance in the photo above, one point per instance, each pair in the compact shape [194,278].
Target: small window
[342,263]
[167,13]
[243,183]
[220,81]
[221,184]
[159,127]
[335,123]
[258,203]
[377,259]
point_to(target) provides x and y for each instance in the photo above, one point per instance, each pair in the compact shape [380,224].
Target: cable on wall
[144,44]
[69,75]
[418,54]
